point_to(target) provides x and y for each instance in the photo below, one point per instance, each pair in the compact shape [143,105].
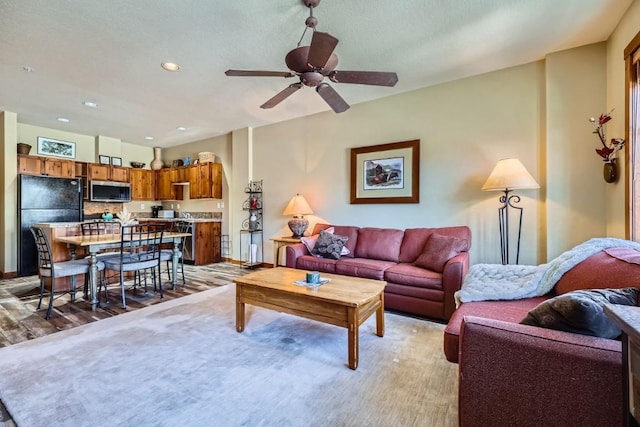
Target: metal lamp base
[298,226]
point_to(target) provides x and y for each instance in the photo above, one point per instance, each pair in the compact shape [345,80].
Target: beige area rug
[183,363]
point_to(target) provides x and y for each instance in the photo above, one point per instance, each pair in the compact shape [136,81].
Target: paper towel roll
[253,253]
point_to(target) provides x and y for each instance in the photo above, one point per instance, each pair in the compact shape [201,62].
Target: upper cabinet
[51,166]
[143,185]
[205,181]
[165,190]
[99,172]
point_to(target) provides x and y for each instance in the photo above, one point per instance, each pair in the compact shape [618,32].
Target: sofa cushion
[362,267]
[410,275]
[379,243]
[415,239]
[581,312]
[507,311]
[329,245]
[342,230]
[600,271]
[438,250]
[312,263]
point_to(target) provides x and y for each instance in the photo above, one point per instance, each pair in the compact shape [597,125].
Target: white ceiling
[109,52]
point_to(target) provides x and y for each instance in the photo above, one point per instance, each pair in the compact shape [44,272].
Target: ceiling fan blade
[321,48]
[282,95]
[376,78]
[332,98]
[256,73]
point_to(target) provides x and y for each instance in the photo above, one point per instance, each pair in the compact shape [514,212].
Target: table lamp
[508,175]
[298,207]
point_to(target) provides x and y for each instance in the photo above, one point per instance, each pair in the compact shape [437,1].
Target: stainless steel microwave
[109,191]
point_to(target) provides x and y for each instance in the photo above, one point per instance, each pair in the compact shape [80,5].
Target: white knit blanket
[507,282]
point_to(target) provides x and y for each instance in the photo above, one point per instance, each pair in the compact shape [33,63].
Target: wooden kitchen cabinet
[206,237]
[143,186]
[50,166]
[98,172]
[165,190]
[205,181]
[59,167]
[119,174]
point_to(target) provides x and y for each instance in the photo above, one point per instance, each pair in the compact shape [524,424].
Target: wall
[626,30]
[465,127]
[575,190]
[221,146]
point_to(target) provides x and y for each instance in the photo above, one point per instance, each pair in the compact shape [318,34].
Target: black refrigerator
[44,199]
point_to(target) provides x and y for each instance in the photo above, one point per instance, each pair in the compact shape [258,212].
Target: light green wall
[626,30]
[575,191]
[464,127]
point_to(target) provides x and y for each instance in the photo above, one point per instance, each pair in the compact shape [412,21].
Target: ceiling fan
[315,62]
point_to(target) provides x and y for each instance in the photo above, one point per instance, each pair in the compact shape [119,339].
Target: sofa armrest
[293,252]
[452,277]
[512,374]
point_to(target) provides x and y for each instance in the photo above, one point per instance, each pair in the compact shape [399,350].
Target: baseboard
[8,275]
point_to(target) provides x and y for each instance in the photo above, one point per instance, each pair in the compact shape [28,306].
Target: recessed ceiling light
[90,104]
[182,128]
[148,138]
[170,66]
[63,120]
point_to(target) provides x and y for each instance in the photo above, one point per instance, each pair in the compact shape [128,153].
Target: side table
[279,242]
[627,318]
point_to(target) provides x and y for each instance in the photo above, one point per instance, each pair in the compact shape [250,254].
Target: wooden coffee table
[344,301]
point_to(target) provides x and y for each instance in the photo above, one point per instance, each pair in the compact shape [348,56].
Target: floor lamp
[509,175]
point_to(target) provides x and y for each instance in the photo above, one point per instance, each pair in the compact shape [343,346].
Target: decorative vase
[610,171]
[253,221]
[156,163]
[23,148]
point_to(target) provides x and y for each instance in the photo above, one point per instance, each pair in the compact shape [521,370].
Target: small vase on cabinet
[157,163]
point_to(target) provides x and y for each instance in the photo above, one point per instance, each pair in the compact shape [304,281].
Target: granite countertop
[182,219]
[76,224]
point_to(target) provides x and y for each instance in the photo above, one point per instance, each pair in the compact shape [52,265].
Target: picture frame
[116,161]
[386,173]
[56,148]
[104,160]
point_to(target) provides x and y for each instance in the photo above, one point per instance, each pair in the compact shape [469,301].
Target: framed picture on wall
[386,173]
[116,161]
[56,148]
[104,160]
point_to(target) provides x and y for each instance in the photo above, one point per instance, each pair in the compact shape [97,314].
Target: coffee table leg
[239,309]
[353,335]
[380,317]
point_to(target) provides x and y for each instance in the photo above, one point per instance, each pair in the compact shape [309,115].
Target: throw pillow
[310,242]
[329,245]
[438,250]
[582,311]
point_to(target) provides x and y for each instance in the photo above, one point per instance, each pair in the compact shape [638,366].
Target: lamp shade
[509,174]
[297,206]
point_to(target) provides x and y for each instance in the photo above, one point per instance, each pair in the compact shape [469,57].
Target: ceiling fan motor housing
[311,78]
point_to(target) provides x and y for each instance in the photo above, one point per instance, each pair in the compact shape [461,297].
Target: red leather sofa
[388,254]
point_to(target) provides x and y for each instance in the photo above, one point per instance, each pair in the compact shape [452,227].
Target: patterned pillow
[581,312]
[438,250]
[329,245]
[310,242]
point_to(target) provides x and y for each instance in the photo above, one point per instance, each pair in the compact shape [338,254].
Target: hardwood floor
[20,321]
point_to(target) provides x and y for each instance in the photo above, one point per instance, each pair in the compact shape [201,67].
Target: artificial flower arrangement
[608,149]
